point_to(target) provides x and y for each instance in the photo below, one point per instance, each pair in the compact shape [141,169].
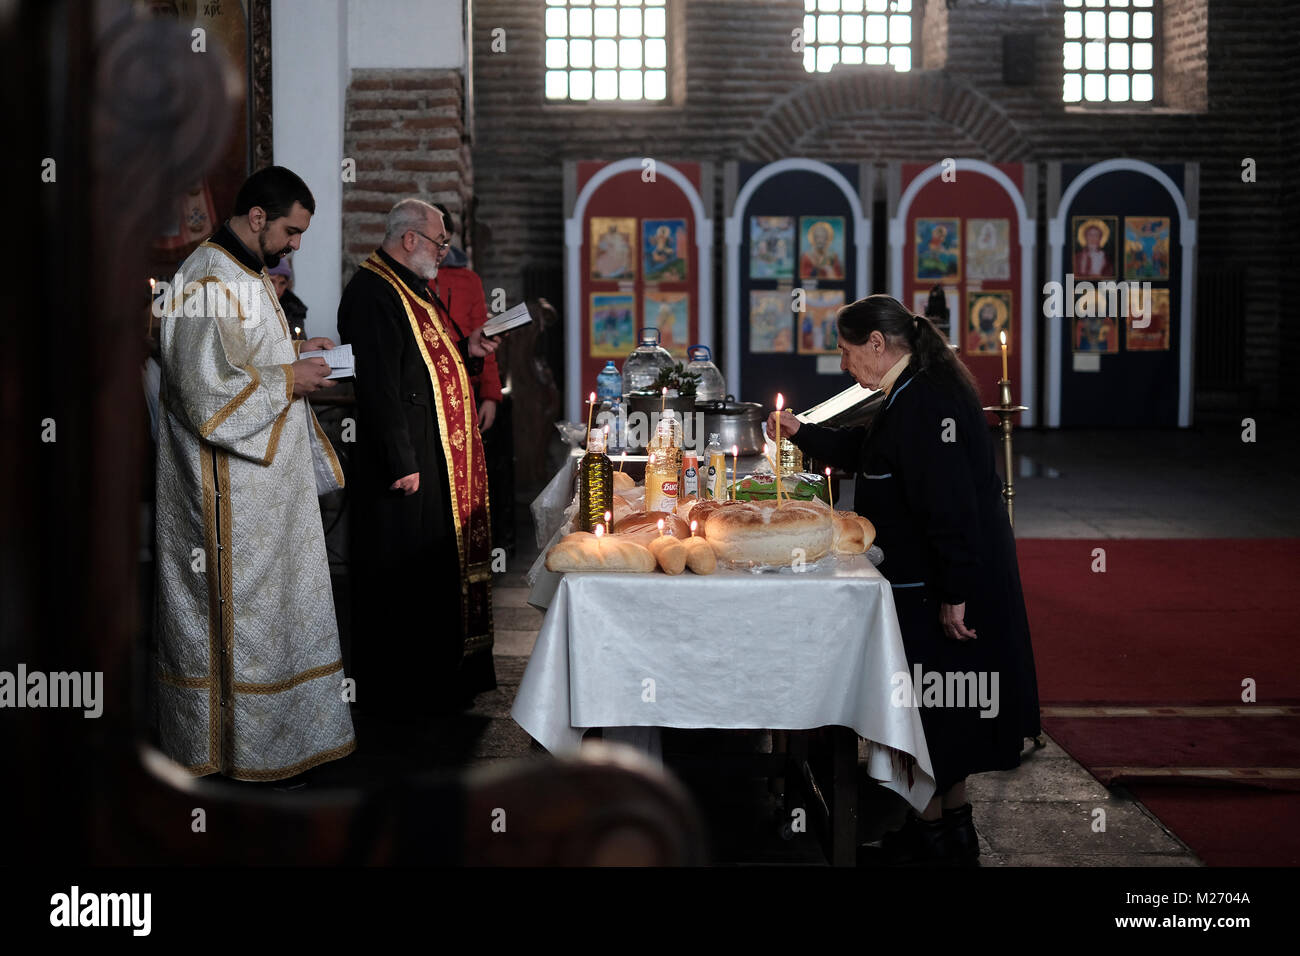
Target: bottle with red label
[663,470]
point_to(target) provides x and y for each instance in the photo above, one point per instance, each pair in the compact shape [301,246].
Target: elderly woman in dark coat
[926,479]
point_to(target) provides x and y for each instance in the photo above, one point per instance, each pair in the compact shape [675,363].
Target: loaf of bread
[583,551]
[647,522]
[699,513]
[623,481]
[699,555]
[853,533]
[670,553]
[764,532]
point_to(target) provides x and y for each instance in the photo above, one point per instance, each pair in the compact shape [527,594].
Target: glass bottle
[595,483]
[715,480]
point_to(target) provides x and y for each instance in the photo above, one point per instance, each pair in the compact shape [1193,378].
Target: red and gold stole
[462,447]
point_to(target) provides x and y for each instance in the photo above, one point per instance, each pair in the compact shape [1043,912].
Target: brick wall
[748,97]
[406,131]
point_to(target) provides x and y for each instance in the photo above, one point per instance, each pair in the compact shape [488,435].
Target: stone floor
[1205,483]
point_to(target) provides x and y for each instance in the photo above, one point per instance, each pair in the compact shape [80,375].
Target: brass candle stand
[1005,411]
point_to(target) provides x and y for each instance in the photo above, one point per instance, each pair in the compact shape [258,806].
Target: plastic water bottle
[616,422]
[609,383]
[712,387]
[641,370]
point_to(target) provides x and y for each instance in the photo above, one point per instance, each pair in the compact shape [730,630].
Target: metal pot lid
[728,407]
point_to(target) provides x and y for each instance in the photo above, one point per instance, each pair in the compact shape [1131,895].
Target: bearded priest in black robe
[420,550]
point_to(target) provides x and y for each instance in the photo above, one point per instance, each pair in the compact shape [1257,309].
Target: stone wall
[747,97]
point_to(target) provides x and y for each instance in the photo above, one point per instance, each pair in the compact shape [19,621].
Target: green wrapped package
[797,487]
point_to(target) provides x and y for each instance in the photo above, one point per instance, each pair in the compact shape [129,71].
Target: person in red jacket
[460,290]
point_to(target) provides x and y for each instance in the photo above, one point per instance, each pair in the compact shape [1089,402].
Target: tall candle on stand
[1003,336]
[780,404]
[830,490]
[735,469]
[591,405]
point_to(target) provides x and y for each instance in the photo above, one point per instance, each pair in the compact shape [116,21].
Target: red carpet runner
[1140,671]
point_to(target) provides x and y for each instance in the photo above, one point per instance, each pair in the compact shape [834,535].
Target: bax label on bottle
[660,493]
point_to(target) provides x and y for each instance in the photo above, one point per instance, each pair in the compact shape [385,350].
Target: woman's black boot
[918,843]
[959,834]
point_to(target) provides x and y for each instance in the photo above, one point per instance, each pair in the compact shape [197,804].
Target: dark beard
[269,259]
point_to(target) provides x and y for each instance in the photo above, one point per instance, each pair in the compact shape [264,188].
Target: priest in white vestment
[250,680]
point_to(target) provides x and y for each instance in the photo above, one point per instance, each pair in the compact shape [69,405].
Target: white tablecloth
[735,650]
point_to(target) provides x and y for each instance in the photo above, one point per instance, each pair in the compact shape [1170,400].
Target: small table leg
[844,810]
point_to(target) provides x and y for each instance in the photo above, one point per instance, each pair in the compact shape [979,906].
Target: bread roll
[850,536]
[699,555]
[868,532]
[670,553]
[623,481]
[583,551]
[765,533]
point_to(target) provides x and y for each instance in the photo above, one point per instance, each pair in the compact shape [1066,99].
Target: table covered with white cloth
[737,649]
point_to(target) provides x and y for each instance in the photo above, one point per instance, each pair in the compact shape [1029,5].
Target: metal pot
[646,407]
[735,423]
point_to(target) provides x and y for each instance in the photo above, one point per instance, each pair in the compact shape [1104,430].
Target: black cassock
[926,479]
[403,562]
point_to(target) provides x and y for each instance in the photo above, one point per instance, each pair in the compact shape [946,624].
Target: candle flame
[1003,336]
[693,524]
[152,283]
[828,472]
[600,530]
[735,451]
[660,523]
[607,517]
[780,401]
[591,399]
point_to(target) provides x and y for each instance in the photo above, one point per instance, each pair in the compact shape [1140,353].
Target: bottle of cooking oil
[715,482]
[664,467]
[595,483]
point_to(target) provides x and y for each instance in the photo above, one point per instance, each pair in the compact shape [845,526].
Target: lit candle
[693,523]
[780,404]
[591,406]
[660,522]
[663,401]
[607,517]
[735,469]
[830,488]
[152,283]
[600,530]
[1003,336]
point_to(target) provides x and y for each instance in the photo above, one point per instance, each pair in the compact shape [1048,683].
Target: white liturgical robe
[248,671]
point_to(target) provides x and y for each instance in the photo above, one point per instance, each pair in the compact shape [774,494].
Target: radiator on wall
[1221,327]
